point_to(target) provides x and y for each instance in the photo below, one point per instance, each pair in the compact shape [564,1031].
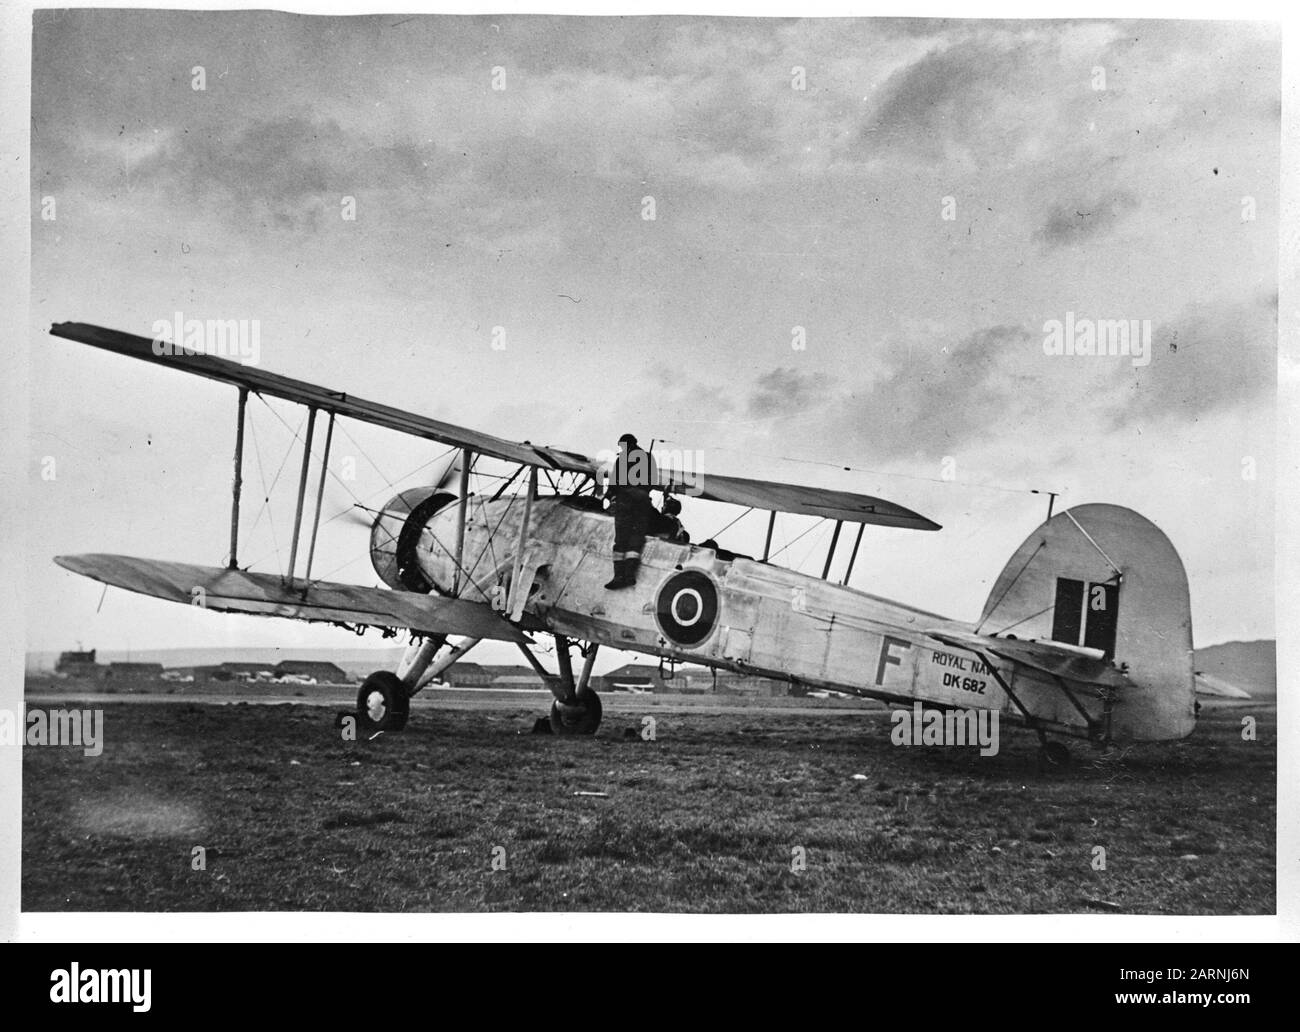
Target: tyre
[1053,756]
[382,703]
[582,718]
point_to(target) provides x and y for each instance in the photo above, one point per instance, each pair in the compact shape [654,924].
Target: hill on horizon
[1251,665]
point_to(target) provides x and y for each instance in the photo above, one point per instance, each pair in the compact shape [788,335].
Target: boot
[630,568]
[620,576]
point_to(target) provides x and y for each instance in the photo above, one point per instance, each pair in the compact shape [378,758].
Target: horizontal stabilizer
[264,594]
[1067,663]
[1208,684]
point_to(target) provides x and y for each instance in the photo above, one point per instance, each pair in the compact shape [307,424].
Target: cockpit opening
[662,522]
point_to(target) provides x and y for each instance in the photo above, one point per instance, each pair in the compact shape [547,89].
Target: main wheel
[382,703]
[581,718]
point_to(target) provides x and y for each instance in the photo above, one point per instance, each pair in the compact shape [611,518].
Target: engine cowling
[395,537]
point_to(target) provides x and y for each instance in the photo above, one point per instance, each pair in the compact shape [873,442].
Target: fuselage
[737,614]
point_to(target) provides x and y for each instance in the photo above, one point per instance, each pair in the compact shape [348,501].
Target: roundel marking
[687,607]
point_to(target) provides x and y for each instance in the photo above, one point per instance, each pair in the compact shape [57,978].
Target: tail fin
[1104,577]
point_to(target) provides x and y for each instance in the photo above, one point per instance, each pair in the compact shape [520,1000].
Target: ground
[778,806]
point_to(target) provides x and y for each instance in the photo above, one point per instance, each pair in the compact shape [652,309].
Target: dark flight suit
[631,507]
[629,496]
[666,525]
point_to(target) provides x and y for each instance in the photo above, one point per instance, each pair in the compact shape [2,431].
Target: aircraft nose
[396,534]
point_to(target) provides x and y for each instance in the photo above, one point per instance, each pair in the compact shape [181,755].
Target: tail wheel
[382,703]
[1053,756]
[582,717]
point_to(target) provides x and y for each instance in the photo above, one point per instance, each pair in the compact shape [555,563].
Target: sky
[861,231]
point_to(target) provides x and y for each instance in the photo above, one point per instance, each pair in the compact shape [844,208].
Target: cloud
[1212,357]
[294,167]
[928,90]
[940,397]
[784,392]
[1074,223]
[996,384]
[951,96]
[933,399]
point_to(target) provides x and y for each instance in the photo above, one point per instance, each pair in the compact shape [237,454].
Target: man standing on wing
[630,480]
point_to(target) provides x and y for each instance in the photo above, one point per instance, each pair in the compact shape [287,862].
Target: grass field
[710,817]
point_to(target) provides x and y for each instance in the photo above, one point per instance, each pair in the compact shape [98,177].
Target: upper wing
[758,494]
[808,501]
[302,392]
[1056,660]
[263,594]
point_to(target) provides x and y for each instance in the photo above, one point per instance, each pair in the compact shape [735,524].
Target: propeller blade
[447,472]
[444,475]
[358,515]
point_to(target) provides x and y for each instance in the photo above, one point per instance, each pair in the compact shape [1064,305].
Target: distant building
[78,664]
[687,679]
[637,677]
[249,669]
[513,670]
[514,676]
[646,677]
[467,675]
[235,671]
[528,680]
[209,672]
[321,672]
[730,683]
[133,671]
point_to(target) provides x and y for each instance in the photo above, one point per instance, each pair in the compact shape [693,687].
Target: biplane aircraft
[1086,632]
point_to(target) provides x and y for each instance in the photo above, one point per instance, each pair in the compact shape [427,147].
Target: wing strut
[853,556]
[830,552]
[239,480]
[302,491]
[516,577]
[320,495]
[466,461]
[771,524]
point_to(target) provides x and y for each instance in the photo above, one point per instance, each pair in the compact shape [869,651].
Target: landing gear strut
[384,701]
[576,709]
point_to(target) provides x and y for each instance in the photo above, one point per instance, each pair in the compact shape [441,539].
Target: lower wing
[263,594]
